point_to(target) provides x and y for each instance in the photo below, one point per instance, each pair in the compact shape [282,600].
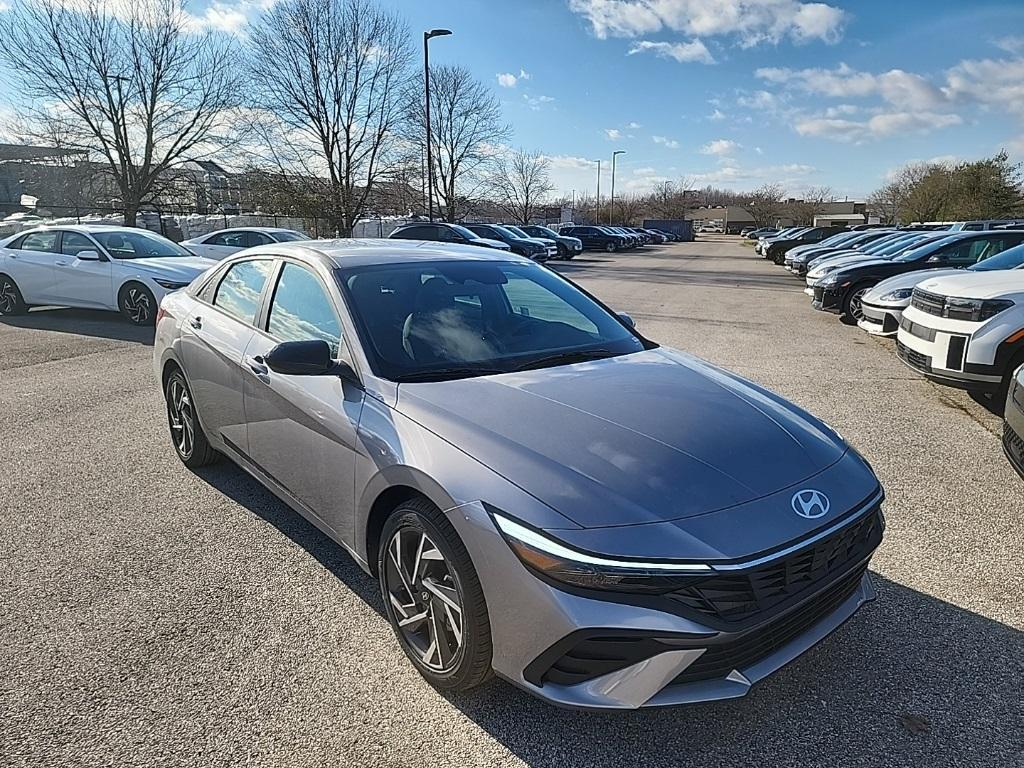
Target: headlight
[171,285]
[556,561]
[897,295]
[829,279]
[975,310]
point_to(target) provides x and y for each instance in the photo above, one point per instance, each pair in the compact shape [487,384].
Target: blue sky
[807,94]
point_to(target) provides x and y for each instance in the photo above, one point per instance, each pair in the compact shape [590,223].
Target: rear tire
[137,304]
[611,247]
[187,434]
[999,398]
[11,301]
[435,603]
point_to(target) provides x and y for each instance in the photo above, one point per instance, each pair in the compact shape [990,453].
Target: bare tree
[520,183]
[813,203]
[629,210]
[330,77]
[765,204]
[131,83]
[467,129]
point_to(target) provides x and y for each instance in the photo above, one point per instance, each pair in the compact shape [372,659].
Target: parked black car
[567,246]
[841,290]
[597,239]
[531,249]
[446,233]
[776,251]
[549,242]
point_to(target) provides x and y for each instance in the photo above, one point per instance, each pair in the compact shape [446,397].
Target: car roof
[361,252]
[246,229]
[86,228]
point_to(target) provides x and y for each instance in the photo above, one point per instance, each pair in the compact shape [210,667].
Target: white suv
[94,267]
[966,330]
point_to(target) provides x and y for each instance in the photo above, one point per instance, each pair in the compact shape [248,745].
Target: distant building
[733,218]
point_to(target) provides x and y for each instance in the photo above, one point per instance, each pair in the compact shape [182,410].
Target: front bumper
[942,354]
[880,320]
[543,636]
[828,299]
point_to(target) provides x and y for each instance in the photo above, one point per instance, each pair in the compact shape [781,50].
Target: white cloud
[717,115]
[720,147]
[899,88]
[693,51]
[612,134]
[524,75]
[665,141]
[535,102]
[751,21]
[1010,43]
[507,80]
[997,83]
[633,126]
[230,18]
[878,126]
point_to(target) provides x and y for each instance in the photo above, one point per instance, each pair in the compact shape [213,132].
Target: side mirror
[87,256]
[626,319]
[307,358]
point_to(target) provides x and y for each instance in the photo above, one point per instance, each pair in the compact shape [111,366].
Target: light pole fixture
[615,154]
[426,90]
[598,214]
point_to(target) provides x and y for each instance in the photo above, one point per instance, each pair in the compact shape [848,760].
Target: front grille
[916,329]
[930,303]
[912,358]
[737,598]
[720,660]
[1014,445]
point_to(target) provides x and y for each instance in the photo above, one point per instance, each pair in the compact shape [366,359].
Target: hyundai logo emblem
[810,503]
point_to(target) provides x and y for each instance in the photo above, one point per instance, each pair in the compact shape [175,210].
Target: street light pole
[426,90]
[615,154]
[598,214]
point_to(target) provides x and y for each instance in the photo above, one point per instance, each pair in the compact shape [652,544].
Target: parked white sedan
[224,242]
[94,267]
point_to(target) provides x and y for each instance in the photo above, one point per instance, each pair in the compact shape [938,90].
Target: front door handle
[196,322]
[61,263]
[258,366]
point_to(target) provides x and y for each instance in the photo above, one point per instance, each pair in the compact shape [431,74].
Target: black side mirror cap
[626,319]
[300,358]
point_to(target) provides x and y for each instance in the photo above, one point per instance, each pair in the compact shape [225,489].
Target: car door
[963,253]
[302,429]
[213,341]
[31,263]
[83,282]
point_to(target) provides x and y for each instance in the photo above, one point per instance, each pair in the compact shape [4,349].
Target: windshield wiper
[442,374]
[566,358]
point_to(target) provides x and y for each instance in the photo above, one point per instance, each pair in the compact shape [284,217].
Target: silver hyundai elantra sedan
[542,492]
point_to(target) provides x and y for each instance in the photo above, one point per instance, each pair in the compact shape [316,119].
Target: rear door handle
[196,322]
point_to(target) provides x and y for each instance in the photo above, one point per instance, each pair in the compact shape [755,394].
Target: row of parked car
[953,299]
[535,241]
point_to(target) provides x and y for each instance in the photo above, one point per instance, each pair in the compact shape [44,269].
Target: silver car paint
[332,450]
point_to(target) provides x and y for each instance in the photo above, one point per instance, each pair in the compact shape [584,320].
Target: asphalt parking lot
[155,617]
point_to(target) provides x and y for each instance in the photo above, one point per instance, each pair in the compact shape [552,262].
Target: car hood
[649,437]
[841,262]
[488,243]
[906,280]
[173,267]
[977,285]
[807,248]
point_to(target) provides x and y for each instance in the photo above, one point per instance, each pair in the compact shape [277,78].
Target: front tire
[187,434]
[137,304]
[611,247]
[433,597]
[11,301]
[853,313]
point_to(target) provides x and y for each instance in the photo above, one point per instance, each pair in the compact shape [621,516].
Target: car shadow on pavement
[909,681]
[82,322]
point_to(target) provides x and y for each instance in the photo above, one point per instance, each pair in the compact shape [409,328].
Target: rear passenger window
[239,291]
[40,241]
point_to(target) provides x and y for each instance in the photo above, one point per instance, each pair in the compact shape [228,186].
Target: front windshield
[506,231]
[892,242]
[1011,258]
[288,236]
[546,231]
[838,239]
[516,231]
[926,247]
[451,319]
[466,233]
[137,244]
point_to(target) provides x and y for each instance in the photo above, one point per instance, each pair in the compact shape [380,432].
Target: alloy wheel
[8,297]
[182,418]
[426,599]
[856,310]
[136,305]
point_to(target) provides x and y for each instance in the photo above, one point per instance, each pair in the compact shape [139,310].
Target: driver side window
[301,310]
[72,243]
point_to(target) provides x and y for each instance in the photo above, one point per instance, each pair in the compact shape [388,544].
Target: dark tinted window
[72,243]
[256,238]
[40,241]
[301,309]
[414,233]
[287,236]
[239,291]
[228,239]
